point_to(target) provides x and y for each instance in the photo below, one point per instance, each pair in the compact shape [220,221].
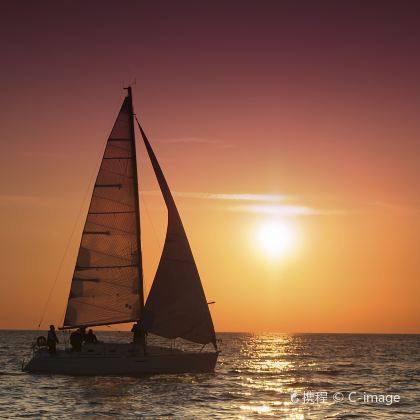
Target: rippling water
[256,376]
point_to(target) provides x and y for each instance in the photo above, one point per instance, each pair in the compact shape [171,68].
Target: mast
[137,200]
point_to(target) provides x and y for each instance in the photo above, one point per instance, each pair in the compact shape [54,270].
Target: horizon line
[248,332]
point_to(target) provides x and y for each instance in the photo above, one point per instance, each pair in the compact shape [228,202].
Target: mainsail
[107,285]
[176,305]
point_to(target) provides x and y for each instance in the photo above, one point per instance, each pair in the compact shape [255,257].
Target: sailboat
[107,284]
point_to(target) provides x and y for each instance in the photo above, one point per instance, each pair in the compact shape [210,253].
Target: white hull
[121,359]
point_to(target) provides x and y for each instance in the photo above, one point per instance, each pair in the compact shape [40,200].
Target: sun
[277,239]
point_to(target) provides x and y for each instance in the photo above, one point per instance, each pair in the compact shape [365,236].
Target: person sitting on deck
[139,337]
[76,340]
[91,337]
[52,340]
[83,334]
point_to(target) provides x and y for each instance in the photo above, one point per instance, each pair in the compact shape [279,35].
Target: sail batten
[176,305]
[107,284]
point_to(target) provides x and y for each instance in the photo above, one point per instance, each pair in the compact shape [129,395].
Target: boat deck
[121,359]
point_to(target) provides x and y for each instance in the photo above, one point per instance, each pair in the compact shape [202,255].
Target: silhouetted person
[83,333]
[52,340]
[76,340]
[91,337]
[139,338]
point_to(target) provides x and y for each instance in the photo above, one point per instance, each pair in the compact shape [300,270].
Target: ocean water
[257,376]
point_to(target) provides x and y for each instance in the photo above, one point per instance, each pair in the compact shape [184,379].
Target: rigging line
[104,225]
[117,285]
[155,235]
[157,242]
[85,196]
[111,200]
[108,308]
[114,146]
[126,250]
[104,255]
[143,200]
[117,173]
[124,258]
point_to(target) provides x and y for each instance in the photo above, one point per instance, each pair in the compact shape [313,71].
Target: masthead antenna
[126,87]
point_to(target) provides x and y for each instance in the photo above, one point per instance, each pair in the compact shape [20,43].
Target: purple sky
[240,72]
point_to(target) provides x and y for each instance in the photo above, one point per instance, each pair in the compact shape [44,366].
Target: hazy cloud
[233,197]
[195,140]
[288,210]
[394,208]
[267,203]
[272,198]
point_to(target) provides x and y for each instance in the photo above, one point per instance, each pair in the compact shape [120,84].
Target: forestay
[107,282]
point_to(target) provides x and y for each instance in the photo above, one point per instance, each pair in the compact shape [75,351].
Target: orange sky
[320,113]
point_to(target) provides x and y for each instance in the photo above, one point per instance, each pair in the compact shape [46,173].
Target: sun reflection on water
[256,409]
[266,373]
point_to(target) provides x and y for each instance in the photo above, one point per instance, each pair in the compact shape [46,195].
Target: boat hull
[113,360]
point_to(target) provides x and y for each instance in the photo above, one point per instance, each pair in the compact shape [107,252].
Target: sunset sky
[287,130]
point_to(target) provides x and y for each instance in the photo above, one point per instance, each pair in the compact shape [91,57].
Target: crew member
[91,337]
[139,338]
[76,340]
[52,340]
